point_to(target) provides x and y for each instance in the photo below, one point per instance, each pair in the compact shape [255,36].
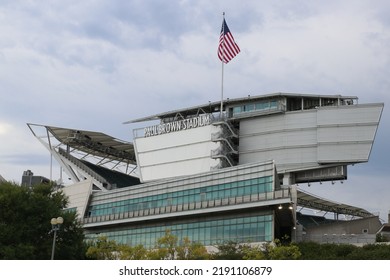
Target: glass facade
[255,107]
[141,215]
[220,191]
[254,227]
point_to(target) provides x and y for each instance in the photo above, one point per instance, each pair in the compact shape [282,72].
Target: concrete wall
[78,195]
[369,225]
[360,231]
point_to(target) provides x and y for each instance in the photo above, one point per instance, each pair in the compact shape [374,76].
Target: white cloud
[94,64]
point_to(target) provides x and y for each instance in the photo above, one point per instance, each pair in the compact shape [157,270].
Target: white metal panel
[304,139]
[174,169]
[278,140]
[173,154]
[367,113]
[354,133]
[344,152]
[288,139]
[284,158]
[176,154]
[346,134]
[290,121]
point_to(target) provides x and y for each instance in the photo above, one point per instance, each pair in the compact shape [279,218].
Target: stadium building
[222,171]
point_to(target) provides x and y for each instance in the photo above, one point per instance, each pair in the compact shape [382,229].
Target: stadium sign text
[177,125]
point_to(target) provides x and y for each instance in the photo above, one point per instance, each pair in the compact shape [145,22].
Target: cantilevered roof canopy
[94,143]
[213,107]
[313,202]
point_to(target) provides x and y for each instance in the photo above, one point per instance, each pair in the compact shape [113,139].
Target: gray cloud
[94,64]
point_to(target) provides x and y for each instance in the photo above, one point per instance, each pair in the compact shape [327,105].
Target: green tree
[229,250]
[381,238]
[279,251]
[192,250]
[103,249]
[371,252]
[165,247]
[254,252]
[168,248]
[316,251]
[25,229]
[133,253]
[106,249]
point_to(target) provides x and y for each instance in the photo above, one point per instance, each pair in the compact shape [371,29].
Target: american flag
[227,49]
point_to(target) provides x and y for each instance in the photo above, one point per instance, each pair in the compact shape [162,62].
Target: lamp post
[55,226]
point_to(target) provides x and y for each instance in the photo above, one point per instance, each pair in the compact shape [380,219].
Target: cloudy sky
[95,64]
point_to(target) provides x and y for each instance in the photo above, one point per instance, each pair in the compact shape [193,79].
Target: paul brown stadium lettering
[177,126]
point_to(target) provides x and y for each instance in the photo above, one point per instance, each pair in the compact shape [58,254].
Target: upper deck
[253,105]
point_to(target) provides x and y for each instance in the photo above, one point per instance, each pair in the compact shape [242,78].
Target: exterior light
[55,226]
[53,221]
[280,207]
[60,220]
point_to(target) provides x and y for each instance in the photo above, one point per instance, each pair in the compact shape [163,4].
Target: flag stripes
[228,48]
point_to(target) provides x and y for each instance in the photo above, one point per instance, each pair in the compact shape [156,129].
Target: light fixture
[55,226]
[280,207]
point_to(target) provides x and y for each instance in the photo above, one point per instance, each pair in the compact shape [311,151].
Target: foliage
[229,250]
[253,252]
[371,252]
[25,229]
[168,248]
[271,251]
[316,251]
[381,238]
[191,251]
[133,253]
[279,251]
[103,249]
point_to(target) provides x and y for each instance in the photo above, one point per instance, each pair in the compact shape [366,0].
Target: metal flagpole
[223,57]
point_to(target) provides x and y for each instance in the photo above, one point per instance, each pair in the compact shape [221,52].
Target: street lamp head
[57,221]
[60,220]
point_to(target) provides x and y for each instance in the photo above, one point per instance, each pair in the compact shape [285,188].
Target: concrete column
[287,179]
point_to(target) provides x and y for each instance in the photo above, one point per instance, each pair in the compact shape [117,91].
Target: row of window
[260,106]
[243,229]
[234,189]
